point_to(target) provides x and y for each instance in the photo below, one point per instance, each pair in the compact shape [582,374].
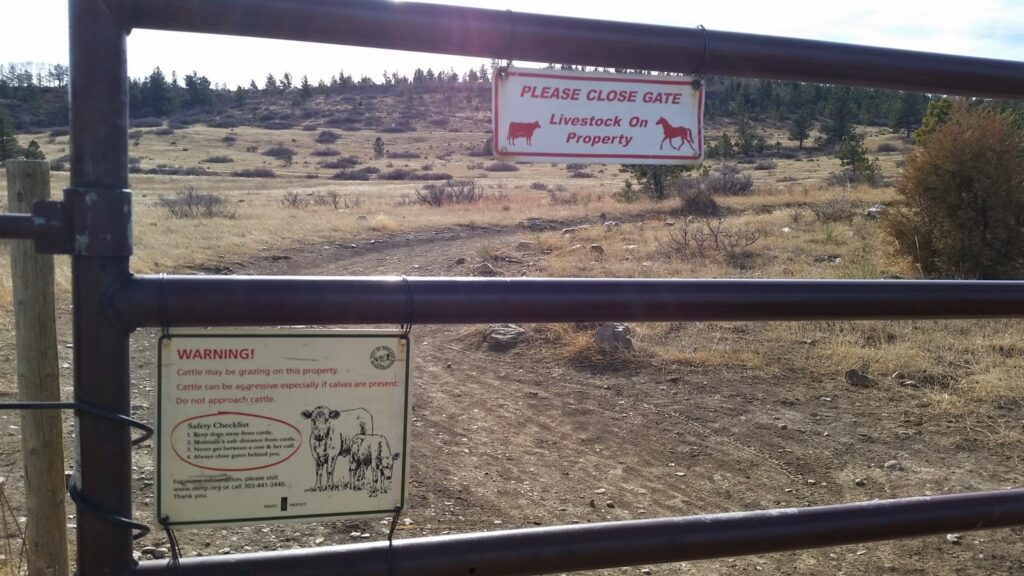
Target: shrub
[398,129]
[710,237]
[450,192]
[857,167]
[324,199]
[146,123]
[340,163]
[277,125]
[254,173]
[219,159]
[501,167]
[224,123]
[964,191]
[728,181]
[326,152]
[280,152]
[293,200]
[327,137]
[402,155]
[581,174]
[699,202]
[539,186]
[765,165]
[350,175]
[430,176]
[192,204]
[168,170]
[887,147]
[229,139]
[838,209]
[397,174]
[575,167]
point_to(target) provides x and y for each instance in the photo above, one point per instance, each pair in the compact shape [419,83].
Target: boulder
[503,336]
[574,229]
[484,269]
[855,378]
[876,212]
[533,225]
[613,338]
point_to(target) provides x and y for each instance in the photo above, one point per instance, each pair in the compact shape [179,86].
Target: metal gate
[93,224]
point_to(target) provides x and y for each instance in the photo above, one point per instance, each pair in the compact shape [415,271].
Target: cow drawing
[331,436]
[371,452]
[672,132]
[521,130]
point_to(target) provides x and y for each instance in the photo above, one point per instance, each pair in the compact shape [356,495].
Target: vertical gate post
[99,172]
[42,438]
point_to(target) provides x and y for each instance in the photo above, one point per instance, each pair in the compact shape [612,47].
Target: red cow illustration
[522,130]
[672,132]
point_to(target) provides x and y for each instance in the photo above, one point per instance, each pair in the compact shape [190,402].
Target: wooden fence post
[28,181]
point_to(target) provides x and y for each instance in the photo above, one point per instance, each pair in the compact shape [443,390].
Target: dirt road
[518,439]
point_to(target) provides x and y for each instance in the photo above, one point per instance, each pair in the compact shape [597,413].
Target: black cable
[141,530]
[698,76]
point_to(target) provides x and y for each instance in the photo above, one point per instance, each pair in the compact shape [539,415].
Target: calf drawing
[331,436]
[372,452]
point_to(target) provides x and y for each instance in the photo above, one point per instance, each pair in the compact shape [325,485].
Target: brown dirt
[520,439]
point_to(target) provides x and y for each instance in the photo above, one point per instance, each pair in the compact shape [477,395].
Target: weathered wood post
[28,181]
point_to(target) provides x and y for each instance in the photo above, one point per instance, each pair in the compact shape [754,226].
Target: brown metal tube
[630,543]
[99,160]
[541,38]
[23,226]
[268,300]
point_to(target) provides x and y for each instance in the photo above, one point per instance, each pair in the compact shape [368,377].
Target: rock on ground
[613,338]
[855,378]
[503,336]
[484,269]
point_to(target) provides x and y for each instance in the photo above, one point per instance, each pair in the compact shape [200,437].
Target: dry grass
[965,372]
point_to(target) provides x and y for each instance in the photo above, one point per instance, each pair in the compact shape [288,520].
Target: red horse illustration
[522,130]
[672,132]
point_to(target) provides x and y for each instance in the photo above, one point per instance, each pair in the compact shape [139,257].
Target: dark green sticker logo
[382,357]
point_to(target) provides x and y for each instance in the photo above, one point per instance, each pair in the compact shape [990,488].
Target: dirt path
[516,439]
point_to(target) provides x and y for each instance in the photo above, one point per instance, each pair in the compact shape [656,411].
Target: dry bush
[191,204]
[403,155]
[340,163]
[280,152]
[293,200]
[710,237]
[501,167]
[887,147]
[837,209]
[728,181]
[699,202]
[539,186]
[450,192]
[327,137]
[964,190]
[219,159]
[254,173]
[326,152]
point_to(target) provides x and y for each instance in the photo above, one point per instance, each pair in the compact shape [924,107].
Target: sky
[985,28]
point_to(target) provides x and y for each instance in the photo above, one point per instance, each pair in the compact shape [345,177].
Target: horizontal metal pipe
[629,543]
[542,38]
[270,300]
[25,226]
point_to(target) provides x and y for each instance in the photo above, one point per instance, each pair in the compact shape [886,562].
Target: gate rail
[109,302]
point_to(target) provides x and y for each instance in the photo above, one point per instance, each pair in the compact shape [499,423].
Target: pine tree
[33,152]
[839,118]
[8,141]
[909,109]
[800,127]
[306,89]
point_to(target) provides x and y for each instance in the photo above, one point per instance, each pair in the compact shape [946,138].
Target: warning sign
[561,116]
[281,425]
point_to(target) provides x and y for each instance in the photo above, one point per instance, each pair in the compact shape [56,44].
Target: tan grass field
[964,374]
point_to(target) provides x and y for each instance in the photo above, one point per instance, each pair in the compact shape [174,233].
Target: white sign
[561,116]
[281,425]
